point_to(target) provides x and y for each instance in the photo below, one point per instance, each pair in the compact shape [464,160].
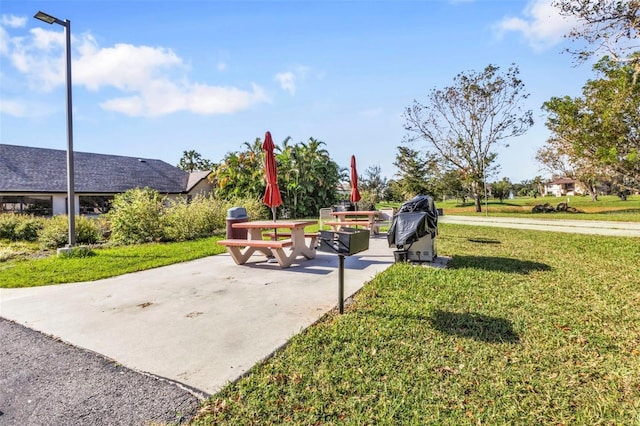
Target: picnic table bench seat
[257,243]
[273,248]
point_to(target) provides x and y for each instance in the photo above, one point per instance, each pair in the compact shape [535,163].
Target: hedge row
[136,216]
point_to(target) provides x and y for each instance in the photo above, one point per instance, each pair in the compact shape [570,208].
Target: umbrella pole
[272,258]
[273,211]
[341,284]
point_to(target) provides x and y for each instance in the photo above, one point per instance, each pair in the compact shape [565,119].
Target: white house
[563,187]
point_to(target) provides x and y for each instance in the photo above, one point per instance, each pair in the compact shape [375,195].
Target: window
[93,205]
[35,205]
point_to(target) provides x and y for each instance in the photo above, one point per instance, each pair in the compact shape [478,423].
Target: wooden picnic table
[363,218]
[297,245]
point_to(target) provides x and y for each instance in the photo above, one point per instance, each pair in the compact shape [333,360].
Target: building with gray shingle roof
[39,175]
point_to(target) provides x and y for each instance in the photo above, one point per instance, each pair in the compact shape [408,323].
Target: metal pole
[71,204]
[341,284]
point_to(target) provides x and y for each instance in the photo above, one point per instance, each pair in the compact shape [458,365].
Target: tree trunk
[593,191]
[476,196]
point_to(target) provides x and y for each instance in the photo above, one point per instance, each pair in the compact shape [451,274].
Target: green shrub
[104,227]
[55,231]
[136,216]
[88,230]
[8,224]
[187,221]
[203,216]
[17,227]
[28,228]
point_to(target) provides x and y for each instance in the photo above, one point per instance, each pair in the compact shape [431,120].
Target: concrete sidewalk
[201,323]
[593,227]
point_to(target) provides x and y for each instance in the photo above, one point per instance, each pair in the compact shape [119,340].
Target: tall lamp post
[71,205]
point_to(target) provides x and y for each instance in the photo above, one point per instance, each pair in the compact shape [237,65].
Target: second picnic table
[363,218]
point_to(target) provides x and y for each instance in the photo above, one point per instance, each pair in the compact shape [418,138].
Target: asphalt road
[44,381]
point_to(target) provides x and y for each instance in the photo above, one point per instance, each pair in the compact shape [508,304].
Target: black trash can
[236,215]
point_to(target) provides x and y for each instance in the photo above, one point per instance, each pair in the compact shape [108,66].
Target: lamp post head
[44,17]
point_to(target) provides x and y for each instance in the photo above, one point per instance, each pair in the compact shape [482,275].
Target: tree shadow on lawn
[475,326]
[620,211]
[499,264]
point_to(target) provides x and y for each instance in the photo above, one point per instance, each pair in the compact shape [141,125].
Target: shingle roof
[562,180]
[195,178]
[28,169]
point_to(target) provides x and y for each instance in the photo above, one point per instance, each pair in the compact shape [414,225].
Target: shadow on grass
[475,326]
[502,203]
[484,240]
[499,264]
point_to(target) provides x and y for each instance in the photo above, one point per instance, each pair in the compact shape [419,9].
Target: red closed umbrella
[355,194]
[272,197]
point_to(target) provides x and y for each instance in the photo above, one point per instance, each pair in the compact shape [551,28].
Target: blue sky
[155,78]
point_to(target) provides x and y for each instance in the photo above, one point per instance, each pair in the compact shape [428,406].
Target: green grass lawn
[104,263]
[523,327]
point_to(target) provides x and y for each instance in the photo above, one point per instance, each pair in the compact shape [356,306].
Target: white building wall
[60,204]
[202,188]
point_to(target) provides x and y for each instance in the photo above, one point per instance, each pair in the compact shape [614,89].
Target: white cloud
[165,97]
[153,81]
[43,71]
[25,108]
[541,25]
[4,42]
[287,81]
[12,21]
[222,66]
[13,108]
[124,66]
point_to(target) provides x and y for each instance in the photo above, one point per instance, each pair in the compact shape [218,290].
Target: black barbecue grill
[414,229]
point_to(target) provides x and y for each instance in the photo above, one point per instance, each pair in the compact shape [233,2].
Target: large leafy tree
[307,176]
[240,173]
[598,134]
[464,123]
[451,183]
[501,189]
[192,161]
[415,170]
[607,26]
[373,183]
